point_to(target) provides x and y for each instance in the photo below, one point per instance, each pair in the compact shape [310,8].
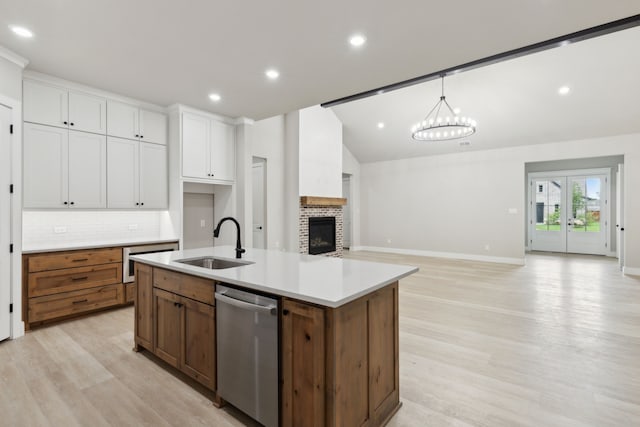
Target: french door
[5,222]
[569,212]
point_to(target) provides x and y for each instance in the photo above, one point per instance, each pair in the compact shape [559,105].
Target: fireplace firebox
[322,235]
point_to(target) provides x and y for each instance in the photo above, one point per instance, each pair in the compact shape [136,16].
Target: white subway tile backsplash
[43,228]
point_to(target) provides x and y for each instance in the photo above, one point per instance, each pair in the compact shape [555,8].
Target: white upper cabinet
[87,170]
[54,106]
[222,156]
[208,148]
[45,167]
[129,121]
[122,173]
[87,113]
[195,146]
[137,174]
[63,169]
[153,127]
[153,176]
[122,120]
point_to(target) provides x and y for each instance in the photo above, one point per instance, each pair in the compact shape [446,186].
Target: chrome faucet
[216,233]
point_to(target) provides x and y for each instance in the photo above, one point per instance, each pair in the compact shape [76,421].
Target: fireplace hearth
[322,235]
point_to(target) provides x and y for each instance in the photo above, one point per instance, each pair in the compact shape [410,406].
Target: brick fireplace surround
[320,206]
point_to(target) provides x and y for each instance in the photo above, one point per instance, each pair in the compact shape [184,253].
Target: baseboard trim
[448,255]
[631,271]
[356,248]
[612,254]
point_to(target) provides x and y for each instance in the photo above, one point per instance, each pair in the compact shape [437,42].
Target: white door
[223,151]
[45,166]
[122,120]
[87,170]
[122,173]
[153,127]
[620,214]
[195,146]
[547,214]
[87,113]
[45,104]
[569,213]
[5,223]
[259,193]
[346,213]
[153,176]
[587,220]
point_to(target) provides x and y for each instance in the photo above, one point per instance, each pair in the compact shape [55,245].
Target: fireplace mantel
[322,201]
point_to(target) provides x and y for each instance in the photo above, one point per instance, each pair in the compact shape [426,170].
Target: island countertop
[327,281]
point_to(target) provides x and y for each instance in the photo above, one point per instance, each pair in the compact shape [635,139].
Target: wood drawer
[129,292]
[59,260]
[193,287]
[75,302]
[73,279]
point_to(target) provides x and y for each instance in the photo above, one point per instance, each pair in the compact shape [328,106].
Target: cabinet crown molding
[13,57]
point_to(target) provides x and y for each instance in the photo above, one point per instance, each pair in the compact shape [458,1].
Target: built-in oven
[128,275]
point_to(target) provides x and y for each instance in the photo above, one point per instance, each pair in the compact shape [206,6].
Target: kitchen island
[338,327]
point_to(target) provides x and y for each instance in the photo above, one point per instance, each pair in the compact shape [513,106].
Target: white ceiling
[168,51]
[515,102]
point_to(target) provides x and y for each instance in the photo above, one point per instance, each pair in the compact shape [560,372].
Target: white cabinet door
[45,104]
[153,127]
[87,113]
[87,170]
[223,149]
[45,166]
[153,176]
[195,143]
[122,173]
[122,120]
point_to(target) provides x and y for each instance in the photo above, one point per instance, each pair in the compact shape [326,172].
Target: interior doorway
[346,211]
[569,211]
[259,197]
[5,222]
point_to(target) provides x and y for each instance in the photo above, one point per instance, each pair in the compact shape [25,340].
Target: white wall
[454,205]
[351,166]
[268,143]
[320,142]
[10,77]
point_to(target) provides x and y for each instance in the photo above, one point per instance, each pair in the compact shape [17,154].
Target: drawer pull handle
[81,301]
[80,278]
[80,260]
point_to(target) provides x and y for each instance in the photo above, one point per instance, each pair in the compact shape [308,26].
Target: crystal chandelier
[442,123]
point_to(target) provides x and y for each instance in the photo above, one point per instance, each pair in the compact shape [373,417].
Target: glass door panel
[587,220]
[547,195]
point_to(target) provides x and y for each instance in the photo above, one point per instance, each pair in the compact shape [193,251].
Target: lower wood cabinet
[340,365]
[179,330]
[58,285]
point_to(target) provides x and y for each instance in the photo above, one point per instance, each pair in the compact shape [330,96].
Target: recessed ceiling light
[272,74]
[457,110]
[214,97]
[380,125]
[21,31]
[357,40]
[564,90]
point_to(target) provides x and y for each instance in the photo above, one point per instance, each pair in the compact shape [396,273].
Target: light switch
[202,223]
[59,229]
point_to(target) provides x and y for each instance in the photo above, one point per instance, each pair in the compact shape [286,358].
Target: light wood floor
[554,343]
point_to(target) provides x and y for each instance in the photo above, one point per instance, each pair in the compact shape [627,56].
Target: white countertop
[71,246]
[326,281]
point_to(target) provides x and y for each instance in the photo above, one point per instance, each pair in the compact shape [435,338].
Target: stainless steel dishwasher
[247,341]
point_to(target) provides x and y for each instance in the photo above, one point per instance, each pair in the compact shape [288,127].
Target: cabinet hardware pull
[285,312]
[80,278]
[66,203]
[71,124]
[137,204]
[65,123]
[141,136]
[80,260]
[72,203]
[137,136]
[80,301]
[141,204]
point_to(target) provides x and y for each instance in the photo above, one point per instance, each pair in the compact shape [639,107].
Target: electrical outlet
[133,227]
[487,247]
[389,241]
[202,223]
[59,229]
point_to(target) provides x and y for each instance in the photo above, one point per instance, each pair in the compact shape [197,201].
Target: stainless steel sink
[213,263]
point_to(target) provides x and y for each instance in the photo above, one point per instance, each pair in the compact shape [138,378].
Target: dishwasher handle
[268,309]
